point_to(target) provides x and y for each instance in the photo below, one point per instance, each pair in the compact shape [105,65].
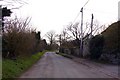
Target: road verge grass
[14,68]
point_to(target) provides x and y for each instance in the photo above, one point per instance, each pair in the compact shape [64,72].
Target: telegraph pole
[0,42]
[0,17]
[81,42]
[91,25]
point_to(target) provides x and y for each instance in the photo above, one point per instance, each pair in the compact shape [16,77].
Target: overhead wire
[86,3]
[76,17]
[96,11]
[79,11]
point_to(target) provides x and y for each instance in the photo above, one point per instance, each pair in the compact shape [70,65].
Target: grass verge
[14,68]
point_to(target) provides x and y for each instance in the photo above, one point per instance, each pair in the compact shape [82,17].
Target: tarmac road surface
[52,65]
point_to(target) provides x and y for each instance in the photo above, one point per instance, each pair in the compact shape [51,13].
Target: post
[0,42]
[81,42]
[0,17]
[91,25]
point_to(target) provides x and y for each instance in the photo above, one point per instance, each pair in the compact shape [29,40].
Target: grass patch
[13,68]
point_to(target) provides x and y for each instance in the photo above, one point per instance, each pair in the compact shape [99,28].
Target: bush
[18,39]
[96,46]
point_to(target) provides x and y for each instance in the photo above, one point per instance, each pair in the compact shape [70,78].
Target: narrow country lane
[52,65]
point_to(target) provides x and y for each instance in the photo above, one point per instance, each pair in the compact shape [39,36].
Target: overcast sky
[55,14]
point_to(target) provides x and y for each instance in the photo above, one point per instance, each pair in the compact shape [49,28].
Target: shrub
[96,46]
[18,38]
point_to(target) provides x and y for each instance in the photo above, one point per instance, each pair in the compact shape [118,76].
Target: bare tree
[51,37]
[18,38]
[97,28]
[13,4]
[74,29]
[64,36]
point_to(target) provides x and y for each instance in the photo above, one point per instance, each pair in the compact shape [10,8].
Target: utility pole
[91,25]
[0,41]
[0,18]
[81,42]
